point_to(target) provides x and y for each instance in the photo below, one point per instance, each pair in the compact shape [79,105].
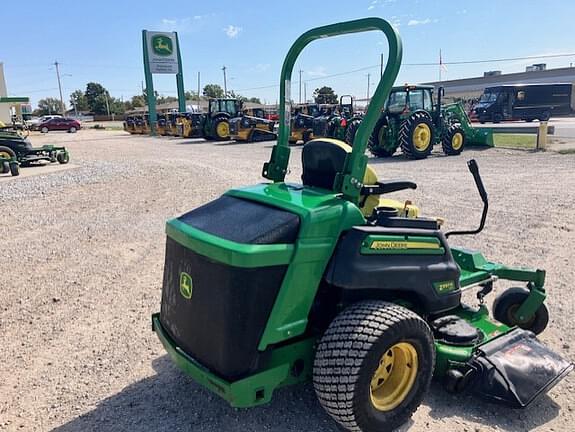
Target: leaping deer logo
[162,45]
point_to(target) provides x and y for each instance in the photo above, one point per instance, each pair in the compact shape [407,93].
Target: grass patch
[520,141]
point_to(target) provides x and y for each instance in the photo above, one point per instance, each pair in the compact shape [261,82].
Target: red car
[59,124]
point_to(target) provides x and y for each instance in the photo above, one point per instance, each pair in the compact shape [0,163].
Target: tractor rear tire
[375,144]
[373,366]
[217,134]
[416,136]
[505,306]
[352,128]
[453,141]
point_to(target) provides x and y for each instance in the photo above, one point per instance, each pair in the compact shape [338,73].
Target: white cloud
[182,25]
[371,7]
[375,3]
[233,31]
[317,71]
[414,22]
[262,67]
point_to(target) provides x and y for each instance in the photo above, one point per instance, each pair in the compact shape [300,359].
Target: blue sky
[101,41]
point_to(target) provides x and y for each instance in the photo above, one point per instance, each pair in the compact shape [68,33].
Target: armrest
[387,187]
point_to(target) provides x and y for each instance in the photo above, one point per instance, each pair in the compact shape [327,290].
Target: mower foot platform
[287,365]
[515,368]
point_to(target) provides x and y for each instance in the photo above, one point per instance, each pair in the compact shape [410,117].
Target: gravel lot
[82,259]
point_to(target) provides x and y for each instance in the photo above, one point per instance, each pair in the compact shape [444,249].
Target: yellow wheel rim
[394,376]
[457,141]
[5,155]
[422,137]
[223,129]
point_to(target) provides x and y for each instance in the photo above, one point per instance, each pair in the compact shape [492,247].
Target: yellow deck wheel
[457,141]
[5,155]
[422,137]
[394,377]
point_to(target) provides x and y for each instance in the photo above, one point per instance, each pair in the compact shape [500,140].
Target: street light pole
[300,71]
[225,82]
[60,88]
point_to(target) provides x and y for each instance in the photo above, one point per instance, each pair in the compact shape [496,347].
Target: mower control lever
[387,187]
[474,169]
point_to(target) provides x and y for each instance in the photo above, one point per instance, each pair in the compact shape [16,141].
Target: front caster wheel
[509,302]
[373,366]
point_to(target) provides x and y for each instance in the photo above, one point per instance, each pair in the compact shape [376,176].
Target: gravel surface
[82,254]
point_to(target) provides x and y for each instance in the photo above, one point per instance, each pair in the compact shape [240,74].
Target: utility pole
[107,104]
[304,92]
[199,100]
[225,82]
[60,88]
[381,66]
[300,71]
[368,76]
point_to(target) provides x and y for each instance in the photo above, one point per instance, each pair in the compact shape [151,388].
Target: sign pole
[152,117]
[180,79]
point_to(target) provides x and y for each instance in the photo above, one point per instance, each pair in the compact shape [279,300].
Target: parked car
[33,123]
[59,123]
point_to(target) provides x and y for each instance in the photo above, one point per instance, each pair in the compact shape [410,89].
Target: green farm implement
[411,121]
[280,283]
[15,147]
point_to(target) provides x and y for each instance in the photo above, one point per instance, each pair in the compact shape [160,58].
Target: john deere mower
[172,123]
[141,125]
[16,149]
[411,121]
[252,126]
[280,283]
[211,126]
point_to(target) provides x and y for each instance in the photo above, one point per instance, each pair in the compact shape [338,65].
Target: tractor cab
[231,107]
[407,99]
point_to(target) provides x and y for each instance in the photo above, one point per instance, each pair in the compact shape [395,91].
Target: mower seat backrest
[322,159]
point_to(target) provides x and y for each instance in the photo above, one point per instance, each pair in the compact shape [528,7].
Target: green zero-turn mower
[17,149]
[280,283]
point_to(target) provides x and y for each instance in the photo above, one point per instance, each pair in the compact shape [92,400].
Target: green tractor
[411,121]
[213,125]
[328,282]
[337,122]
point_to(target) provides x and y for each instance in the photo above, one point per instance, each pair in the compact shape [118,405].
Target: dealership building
[470,88]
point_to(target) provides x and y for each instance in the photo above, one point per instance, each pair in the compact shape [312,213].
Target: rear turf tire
[415,144]
[453,141]
[505,306]
[351,354]
[63,158]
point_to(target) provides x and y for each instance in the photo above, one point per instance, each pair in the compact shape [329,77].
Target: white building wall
[4,107]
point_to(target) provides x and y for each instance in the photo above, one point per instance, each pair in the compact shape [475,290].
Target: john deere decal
[186,285]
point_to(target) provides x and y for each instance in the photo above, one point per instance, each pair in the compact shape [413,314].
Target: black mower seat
[322,159]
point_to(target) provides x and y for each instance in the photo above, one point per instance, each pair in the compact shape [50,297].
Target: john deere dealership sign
[162,53]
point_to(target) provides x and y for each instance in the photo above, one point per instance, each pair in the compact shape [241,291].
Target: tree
[325,95]
[78,101]
[254,100]
[96,98]
[213,91]
[49,105]
[138,101]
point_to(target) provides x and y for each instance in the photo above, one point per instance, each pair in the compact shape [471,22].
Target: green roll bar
[348,182]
